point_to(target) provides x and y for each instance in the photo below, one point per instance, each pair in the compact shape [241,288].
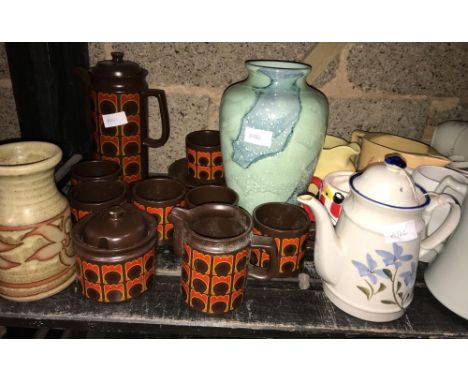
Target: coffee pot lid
[118,227]
[117,67]
[388,183]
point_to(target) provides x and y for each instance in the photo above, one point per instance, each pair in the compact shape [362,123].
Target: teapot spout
[328,256]
[179,217]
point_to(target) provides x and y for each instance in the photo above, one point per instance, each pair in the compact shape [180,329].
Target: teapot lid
[118,227]
[118,67]
[389,184]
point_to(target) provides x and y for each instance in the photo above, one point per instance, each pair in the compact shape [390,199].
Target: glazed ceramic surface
[204,159]
[119,86]
[115,251]
[214,242]
[368,265]
[336,155]
[158,196]
[446,277]
[375,146]
[36,256]
[272,129]
[333,192]
[289,225]
[451,139]
[439,180]
[88,171]
[210,194]
[96,195]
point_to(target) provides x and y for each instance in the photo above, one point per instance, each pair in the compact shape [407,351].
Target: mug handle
[161,96]
[269,244]
[458,188]
[357,135]
[446,228]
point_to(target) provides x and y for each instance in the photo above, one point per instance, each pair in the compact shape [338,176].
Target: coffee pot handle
[267,243]
[165,127]
[446,228]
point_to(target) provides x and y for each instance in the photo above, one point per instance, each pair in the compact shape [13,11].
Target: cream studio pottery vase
[272,128]
[36,258]
[368,265]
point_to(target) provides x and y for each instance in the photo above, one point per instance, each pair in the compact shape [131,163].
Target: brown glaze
[96,195]
[210,194]
[214,242]
[204,158]
[117,85]
[158,196]
[290,226]
[178,170]
[94,170]
[115,250]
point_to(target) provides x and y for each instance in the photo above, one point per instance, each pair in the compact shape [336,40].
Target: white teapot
[368,264]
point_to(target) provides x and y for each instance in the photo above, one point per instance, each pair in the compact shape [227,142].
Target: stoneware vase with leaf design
[36,258]
[369,263]
[272,127]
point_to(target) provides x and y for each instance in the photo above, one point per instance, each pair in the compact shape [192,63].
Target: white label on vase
[405,231]
[258,137]
[114,119]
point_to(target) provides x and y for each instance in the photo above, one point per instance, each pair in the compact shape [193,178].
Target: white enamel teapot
[368,262]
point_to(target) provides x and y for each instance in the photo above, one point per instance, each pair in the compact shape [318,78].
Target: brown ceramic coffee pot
[117,86]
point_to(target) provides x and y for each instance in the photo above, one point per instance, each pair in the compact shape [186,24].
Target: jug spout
[179,217]
[328,254]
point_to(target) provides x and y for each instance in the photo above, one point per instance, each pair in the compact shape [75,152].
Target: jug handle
[165,127]
[269,244]
[179,217]
[357,136]
[458,188]
[446,228]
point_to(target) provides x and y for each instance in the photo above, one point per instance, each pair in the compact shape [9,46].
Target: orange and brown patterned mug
[158,196]
[90,170]
[291,228]
[204,158]
[215,241]
[96,195]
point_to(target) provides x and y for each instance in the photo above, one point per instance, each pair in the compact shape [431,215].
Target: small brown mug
[204,158]
[214,241]
[96,195]
[291,228]
[158,196]
[210,194]
[94,170]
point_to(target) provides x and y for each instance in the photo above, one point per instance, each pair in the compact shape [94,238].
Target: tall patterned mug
[158,196]
[215,241]
[204,159]
[289,225]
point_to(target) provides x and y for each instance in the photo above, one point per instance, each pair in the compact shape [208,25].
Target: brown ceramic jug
[117,86]
[215,241]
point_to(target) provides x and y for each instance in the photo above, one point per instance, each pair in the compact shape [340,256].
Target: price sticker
[114,119]
[400,232]
[258,137]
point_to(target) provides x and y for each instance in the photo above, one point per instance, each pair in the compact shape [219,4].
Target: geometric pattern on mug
[116,282]
[78,214]
[164,228]
[213,283]
[205,165]
[291,251]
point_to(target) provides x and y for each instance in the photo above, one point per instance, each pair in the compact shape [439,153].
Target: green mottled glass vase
[272,126]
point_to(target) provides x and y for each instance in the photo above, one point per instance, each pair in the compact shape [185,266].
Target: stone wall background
[402,88]
[9,126]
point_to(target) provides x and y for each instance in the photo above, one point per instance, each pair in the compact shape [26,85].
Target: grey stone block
[205,64]
[186,114]
[328,74]
[438,69]
[96,53]
[402,117]
[4,71]
[9,126]
[459,113]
